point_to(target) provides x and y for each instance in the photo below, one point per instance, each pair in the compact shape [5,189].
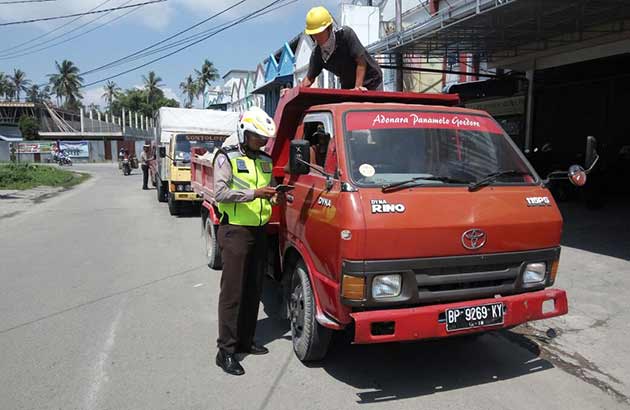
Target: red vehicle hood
[427,222]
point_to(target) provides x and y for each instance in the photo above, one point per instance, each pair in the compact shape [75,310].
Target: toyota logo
[473,239]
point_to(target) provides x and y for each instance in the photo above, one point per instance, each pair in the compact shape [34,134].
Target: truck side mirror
[299,157]
[162,151]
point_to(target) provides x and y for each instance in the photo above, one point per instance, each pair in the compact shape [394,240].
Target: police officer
[241,186]
[339,51]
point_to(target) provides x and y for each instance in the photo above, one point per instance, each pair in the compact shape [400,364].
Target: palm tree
[19,81]
[3,84]
[33,94]
[9,90]
[152,84]
[111,89]
[190,89]
[66,83]
[205,76]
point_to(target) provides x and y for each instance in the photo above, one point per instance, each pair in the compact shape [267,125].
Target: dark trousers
[145,176]
[244,254]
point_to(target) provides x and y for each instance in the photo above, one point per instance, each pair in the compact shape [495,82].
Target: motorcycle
[62,159]
[126,166]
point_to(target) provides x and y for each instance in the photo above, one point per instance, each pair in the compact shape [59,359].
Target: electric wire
[53,30]
[37,48]
[168,38]
[273,3]
[184,40]
[24,1]
[80,14]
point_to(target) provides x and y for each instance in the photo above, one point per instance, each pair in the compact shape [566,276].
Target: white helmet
[257,121]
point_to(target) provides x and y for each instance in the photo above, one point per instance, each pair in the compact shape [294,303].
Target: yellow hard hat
[318,19]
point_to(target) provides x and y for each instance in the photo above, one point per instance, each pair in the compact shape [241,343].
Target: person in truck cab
[242,178]
[319,146]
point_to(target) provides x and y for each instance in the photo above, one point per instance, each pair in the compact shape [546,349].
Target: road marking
[198,285]
[99,371]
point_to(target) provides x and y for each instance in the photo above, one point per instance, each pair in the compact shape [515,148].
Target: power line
[143,53]
[81,14]
[168,38]
[37,48]
[192,37]
[51,31]
[24,1]
[273,3]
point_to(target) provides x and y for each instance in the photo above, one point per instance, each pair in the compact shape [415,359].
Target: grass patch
[27,176]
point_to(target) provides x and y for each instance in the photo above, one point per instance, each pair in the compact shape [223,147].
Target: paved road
[105,303]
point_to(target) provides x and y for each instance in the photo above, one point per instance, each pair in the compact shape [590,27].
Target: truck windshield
[431,148]
[185,143]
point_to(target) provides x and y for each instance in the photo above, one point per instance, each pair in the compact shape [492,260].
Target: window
[317,127]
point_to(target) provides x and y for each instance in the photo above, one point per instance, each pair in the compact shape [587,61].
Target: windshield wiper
[449,180]
[490,178]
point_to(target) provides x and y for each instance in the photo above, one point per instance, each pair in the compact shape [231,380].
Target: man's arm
[306,82]
[360,74]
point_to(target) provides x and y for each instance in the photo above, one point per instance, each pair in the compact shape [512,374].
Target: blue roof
[287,61]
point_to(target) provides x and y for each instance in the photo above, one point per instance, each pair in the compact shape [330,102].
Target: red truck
[411,218]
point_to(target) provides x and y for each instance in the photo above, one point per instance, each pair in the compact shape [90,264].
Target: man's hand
[360,89]
[266,192]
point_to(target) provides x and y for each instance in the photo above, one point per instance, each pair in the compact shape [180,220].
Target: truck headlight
[180,188]
[386,286]
[535,272]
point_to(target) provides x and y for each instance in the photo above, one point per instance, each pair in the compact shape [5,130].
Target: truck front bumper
[427,322]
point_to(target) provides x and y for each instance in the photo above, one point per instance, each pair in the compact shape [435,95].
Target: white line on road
[99,372]
[198,285]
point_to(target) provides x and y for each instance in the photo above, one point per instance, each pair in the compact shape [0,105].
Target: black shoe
[229,364]
[144,187]
[257,350]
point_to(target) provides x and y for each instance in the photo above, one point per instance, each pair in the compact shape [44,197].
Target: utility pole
[398,56]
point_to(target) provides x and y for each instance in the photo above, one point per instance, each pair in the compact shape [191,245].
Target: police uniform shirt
[343,64]
[223,180]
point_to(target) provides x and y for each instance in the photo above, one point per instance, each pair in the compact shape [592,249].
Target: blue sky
[242,47]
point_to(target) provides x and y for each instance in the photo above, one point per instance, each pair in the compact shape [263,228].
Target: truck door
[311,215]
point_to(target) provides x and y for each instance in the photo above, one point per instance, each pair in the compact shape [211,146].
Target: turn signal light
[353,287]
[554,270]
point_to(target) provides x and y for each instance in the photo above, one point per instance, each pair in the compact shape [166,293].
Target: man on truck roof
[242,175]
[339,51]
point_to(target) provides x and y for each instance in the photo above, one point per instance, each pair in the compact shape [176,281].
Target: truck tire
[161,196]
[213,253]
[310,339]
[173,206]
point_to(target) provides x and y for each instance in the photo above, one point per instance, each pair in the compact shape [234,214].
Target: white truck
[179,130]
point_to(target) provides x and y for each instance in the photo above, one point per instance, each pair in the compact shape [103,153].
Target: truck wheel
[173,207]
[161,196]
[213,253]
[310,339]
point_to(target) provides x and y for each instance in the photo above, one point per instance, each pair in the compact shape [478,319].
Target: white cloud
[94,96]
[169,93]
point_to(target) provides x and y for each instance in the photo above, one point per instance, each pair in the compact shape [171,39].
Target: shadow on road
[387,372]
[272,327]
[605,231]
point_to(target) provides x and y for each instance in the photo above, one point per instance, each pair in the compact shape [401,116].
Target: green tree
[136,100]
[205,77]
[152,85]
[111,89]
[3,85]
[20,83]
[29,127]
[190,89]
[66,83]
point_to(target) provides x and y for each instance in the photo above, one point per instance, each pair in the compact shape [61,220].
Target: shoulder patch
[221,160]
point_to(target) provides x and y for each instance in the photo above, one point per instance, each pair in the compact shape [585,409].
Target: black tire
[213,253]
[310,339]
[161,196]
[173,206]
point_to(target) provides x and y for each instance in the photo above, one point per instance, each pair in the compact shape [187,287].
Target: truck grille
[451,283]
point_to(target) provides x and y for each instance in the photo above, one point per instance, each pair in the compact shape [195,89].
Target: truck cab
[410,218]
